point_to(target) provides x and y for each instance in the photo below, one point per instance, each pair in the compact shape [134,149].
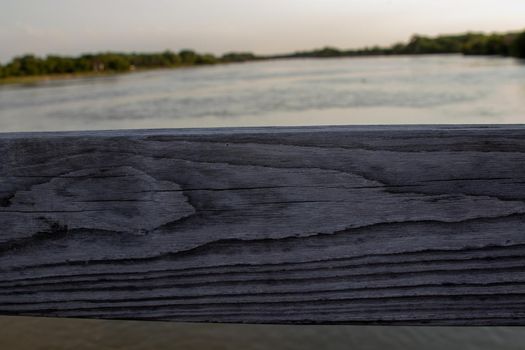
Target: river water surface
[378,90]
[381,90]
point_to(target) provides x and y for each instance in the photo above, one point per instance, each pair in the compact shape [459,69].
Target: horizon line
[268,55]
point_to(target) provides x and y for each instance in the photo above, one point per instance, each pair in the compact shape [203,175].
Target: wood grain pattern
[390,225]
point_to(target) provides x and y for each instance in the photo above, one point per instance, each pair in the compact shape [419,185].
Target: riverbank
[31,69]
[35,79]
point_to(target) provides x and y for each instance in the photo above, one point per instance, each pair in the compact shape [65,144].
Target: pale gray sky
[217,26]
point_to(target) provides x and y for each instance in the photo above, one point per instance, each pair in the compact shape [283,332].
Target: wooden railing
[366,225]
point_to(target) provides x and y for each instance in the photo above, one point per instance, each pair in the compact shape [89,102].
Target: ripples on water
[381,90]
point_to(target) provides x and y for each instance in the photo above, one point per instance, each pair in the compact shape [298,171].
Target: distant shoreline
[37,79]
[30,69]
[52,77]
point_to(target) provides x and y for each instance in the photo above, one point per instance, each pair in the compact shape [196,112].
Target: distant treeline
[31,65]
[509,44]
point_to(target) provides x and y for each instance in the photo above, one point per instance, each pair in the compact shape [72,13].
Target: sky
[71,27]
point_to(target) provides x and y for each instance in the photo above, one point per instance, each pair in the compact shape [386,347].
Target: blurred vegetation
[517,47]
[509,44]
[112,62]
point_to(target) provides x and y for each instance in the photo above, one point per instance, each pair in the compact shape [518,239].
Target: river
[377,90]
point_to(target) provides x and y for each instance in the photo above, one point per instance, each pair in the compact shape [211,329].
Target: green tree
[327,52]
[518,46]
[238,57]
[497,45]
[25,65]
[171,59]
[188,57]
[398,48]
[59,65]
[116,62]
[205,59]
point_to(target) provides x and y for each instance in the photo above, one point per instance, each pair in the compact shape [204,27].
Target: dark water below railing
[381,90]
[56,334]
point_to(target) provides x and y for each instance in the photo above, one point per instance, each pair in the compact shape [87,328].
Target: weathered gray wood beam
[391,225]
